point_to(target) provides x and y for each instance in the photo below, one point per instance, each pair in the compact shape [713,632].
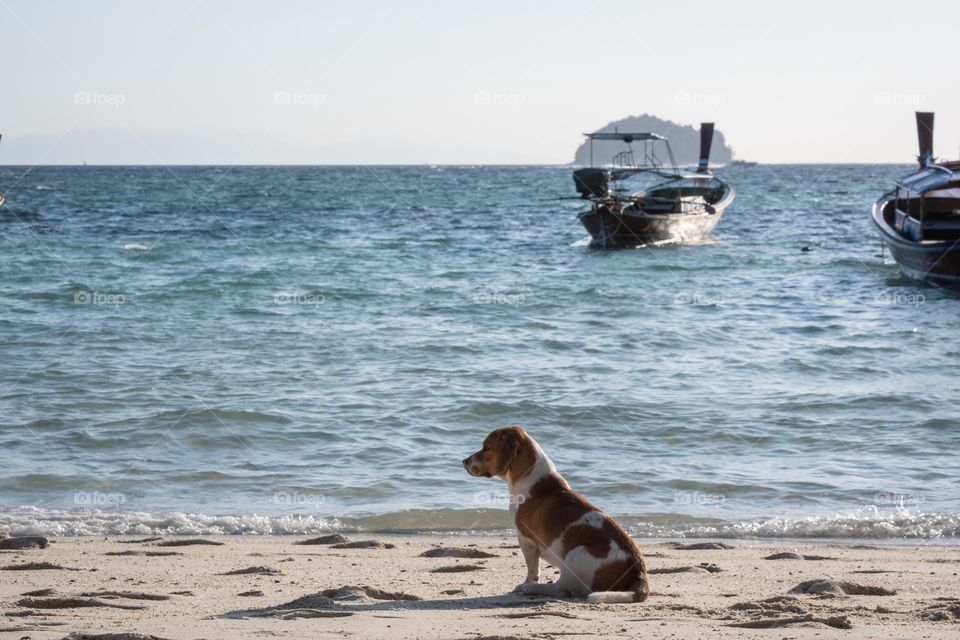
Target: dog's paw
[519,587]
[526,581]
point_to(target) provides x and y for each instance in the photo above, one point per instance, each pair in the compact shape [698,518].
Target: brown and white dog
[596,558]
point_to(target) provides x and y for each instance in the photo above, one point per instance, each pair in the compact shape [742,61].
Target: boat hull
[934,262]
[610,228]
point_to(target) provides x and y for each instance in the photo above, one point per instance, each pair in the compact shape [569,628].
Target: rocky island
[684,141]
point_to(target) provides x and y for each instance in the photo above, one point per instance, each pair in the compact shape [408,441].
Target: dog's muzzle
[468,465]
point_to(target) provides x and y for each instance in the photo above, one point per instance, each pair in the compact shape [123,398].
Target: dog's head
[508,450]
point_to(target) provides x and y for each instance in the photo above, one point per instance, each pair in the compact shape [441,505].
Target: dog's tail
[639,591]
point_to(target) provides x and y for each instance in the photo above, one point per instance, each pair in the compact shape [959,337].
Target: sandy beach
[451,586]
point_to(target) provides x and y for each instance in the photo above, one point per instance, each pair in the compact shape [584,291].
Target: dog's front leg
[531,554]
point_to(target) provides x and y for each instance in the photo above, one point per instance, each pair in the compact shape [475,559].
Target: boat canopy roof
[626,137]
[931,177]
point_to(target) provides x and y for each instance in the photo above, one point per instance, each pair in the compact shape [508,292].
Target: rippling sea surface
[292,349]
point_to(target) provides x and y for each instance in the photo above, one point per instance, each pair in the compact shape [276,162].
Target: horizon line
[412,164]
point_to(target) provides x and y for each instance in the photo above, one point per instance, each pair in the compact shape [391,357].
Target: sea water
[296,349]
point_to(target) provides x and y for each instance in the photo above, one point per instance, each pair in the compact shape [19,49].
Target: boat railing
[624,160]
[642,158]
[628,161]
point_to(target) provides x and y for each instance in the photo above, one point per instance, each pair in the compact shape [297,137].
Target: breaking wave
[866,524]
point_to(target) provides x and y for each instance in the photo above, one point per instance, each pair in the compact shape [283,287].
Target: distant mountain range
[684,141]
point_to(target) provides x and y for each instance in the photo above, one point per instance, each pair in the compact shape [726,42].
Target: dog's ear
[507,450]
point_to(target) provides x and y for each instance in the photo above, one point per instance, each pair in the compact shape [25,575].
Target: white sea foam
[135,246]
[82,522]
[863,525]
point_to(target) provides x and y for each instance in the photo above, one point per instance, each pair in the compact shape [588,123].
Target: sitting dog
[596,558]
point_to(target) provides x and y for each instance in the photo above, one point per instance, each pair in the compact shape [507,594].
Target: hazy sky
[412,81]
